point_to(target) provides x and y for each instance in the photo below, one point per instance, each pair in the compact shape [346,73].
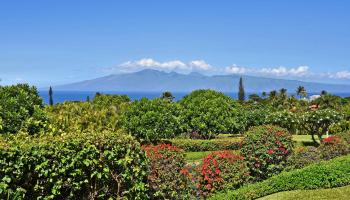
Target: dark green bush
[210,113]
[326,174]
[152,120]
[21,109]
[207,145]
[166,180]
[332,147]
[93,165]
[303,156]
[266,149]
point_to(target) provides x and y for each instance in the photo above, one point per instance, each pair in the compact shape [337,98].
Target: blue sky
[54,42]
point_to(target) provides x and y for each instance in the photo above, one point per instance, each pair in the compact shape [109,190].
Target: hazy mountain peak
[153,80]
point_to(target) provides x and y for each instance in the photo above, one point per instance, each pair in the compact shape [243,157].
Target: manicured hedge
[195,145]
[326,174]
[96,165]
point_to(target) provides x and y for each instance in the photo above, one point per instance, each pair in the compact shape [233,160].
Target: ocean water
[62,96]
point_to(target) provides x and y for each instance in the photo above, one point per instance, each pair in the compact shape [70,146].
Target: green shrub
[210,113]
[332,147]
[257,116]
[266,149]
[21,109]
[152,120]
[195,145]
[83,116]
[108,100]
[326,174]
[93,165]
[221,170]
[303,156]
[166,180]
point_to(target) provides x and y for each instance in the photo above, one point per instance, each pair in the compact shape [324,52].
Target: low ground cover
[326,174]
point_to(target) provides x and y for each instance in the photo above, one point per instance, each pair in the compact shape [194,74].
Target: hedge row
[94,165]
[195,145]
[326,174]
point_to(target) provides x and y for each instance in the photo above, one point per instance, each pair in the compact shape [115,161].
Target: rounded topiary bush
[209,113]
[221,170]
[166,179]
[94,165]
[332,147]
[152,120]
[266,149]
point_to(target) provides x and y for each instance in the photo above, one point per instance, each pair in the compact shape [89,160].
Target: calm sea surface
[61,96]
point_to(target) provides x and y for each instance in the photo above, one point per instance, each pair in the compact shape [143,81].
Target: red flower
[270,151]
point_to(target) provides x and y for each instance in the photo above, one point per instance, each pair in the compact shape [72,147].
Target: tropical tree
[167,95]
[301,92]
[317,123]
[273,95]
[283,93]
[255,98]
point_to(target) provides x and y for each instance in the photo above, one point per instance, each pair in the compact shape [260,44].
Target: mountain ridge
[154,81]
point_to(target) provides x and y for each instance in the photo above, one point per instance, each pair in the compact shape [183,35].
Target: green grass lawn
[196,156]
[192,157]
[341,193]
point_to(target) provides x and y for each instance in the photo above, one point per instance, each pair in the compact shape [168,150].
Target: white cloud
[283,71]
[277,71]
[206,68]
[235,69]
[200,65]
[340,75]
[172,65]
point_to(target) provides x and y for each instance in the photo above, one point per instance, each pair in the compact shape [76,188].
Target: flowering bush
[266,149]
[318,122]
[221,170]
[303,156]
[333,146]
[167,179]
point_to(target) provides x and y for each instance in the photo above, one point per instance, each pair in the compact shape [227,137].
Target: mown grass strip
[340,193]
[326,174]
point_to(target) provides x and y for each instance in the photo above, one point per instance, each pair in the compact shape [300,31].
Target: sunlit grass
[341,193]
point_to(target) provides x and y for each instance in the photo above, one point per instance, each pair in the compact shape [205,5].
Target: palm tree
[273,94]
[168,96]
[283,93]
[301,92]
[263,94]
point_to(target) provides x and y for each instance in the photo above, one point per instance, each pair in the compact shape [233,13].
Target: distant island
[153,81]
